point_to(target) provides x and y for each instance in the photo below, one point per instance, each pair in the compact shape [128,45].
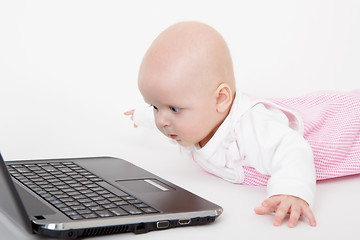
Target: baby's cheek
[193,138]
[160,129]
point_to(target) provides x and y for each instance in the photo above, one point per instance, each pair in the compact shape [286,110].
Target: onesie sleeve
[285,155]
[144,117]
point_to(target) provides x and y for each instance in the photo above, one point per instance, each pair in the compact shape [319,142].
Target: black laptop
[81,197]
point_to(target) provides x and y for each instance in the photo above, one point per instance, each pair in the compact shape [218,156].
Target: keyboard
[77,192]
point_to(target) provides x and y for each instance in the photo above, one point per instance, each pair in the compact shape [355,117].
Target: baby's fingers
[294,216]
[310,216]
[283,205]
[281,213]
[131,114]
[267,206]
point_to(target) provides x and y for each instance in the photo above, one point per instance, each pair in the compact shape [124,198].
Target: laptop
[82,197]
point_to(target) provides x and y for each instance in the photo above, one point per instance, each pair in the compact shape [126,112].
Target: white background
[68,71]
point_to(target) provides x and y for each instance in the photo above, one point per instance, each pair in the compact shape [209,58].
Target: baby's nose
[162,120]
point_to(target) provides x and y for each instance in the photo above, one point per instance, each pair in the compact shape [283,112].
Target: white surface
[68,71]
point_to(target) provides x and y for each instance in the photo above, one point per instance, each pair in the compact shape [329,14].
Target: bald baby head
[187,76]
[188,53]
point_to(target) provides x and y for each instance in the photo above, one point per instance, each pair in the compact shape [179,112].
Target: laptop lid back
[10,202]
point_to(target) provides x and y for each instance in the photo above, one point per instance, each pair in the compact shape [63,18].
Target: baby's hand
[284,204]
[131,114]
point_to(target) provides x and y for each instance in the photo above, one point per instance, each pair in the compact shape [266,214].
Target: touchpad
[143,185]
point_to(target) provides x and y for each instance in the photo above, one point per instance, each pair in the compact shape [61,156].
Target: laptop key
[65,209]
[111,205]
[134,201]
[149,210]
[89,204]
[114,199]
[71,213]
[96,208]
[55,202]
[78,207]
[49,168]
[97,198]
[22,169]
[104,213]
[103,202]
[60,205]
[128,198]
[84,211]
[120,203]
[141,205]
[131,209]
[90,215]
[118,212]
[76,217]
[72,204]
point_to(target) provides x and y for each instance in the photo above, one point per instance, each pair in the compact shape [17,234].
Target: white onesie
[258,136]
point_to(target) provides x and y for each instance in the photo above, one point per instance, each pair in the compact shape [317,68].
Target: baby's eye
[175,109]
[155,107]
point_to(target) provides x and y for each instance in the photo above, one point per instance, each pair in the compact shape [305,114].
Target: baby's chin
[184,143]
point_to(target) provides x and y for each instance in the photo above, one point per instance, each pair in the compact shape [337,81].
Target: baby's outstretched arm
[281,205]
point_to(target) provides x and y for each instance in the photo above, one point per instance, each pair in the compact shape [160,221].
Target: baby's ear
[223,97]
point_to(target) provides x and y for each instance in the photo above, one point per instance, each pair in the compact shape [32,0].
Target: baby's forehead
[174,75]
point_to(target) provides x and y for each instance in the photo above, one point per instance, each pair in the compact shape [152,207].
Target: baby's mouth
[173,136]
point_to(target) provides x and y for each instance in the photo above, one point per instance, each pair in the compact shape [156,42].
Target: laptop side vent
[104,230]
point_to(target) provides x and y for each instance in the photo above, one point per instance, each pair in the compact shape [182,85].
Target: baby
[187,77]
